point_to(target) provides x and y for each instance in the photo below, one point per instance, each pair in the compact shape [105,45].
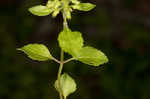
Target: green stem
[66,61]
[59,74]
[54,59]
[61,61]
[65,19]
[65,25]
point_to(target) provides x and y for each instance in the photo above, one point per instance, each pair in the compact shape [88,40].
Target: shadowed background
[120,28]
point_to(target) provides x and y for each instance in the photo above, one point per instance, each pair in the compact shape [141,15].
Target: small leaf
[75,1]
[66,8]
[68,13]
[36,52]
[40,10]
[55,5]
[55,13]
[65,2]
[92,56]
[51,4]
[70,42]
[68,85]
[84,6]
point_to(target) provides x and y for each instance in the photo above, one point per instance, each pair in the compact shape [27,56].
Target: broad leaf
[40,10]
[68,85]
[84,6]
[92,56]
[36,52]
[70,42]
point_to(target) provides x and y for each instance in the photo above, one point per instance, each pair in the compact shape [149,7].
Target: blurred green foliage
[125,40]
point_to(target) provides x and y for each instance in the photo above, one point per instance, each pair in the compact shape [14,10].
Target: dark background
[120,28]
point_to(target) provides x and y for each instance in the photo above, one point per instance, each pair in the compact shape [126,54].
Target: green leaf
[70,42]
[65,2]
[75,1]
[37,52]
[68,85]
[68,13]
[91,56]
[55,13]
[55,6]
[40,10]
[84,6]
[66,8]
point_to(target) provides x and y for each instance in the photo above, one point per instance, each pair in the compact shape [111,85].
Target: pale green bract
[68,85]
[67,8]
[84,6]
[91,56]
[55,6]
[40,10]
[55,13]
[75,1]
[37,52]
[68,13]
[70,41]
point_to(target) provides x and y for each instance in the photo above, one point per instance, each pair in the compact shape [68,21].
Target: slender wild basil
[70,42]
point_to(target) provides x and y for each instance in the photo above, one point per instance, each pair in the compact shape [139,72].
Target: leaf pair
[55,6]
[72,43]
